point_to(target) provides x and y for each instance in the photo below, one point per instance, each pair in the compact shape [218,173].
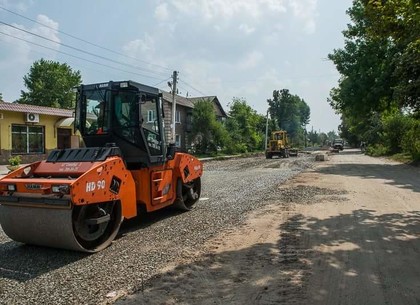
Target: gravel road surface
[231,189]
[347,232]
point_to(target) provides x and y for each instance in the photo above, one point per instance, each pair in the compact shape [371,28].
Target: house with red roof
[33,131]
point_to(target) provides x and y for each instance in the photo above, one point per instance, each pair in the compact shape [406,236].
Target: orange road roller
[78,197]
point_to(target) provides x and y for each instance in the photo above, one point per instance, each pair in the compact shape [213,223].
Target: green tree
[313,137]
[245,126]
[380,73]
[50,84]
[411,139]
[1,97]
[399,22]
[323,139]
[394,127]
[290,112]
[331,135]
[209,134]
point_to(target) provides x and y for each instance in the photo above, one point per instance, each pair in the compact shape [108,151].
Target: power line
[88,53]
[185,83]
[165,80]
[78,57]
[83,40]
[77,49]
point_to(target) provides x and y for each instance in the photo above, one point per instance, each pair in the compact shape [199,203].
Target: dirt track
[351,236]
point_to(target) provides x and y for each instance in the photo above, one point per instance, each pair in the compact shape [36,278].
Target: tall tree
[290,111]
[313,137]
[399,22]
[244,125]
[380,62]
[209,134]
[50,83]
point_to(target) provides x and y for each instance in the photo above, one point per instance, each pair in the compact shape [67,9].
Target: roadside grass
[402,157]
[380,151]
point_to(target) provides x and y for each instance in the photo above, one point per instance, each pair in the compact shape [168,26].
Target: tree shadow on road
[362,250]
[399,175]
[364,258]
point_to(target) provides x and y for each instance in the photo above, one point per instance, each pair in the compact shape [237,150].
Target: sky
[227,48]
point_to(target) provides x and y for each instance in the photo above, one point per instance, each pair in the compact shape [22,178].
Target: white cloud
[161,12]
[274,35]
[27,42]
[20,6]
[249,14]
[222,9]
[19,51]
[251,60]
[246,29]
[50,32]
[139,47]
[305,10]
[47,21]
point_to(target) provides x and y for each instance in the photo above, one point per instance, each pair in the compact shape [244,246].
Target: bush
[411,141]
[235,148]
[16,160]
[377,150]
[395,126]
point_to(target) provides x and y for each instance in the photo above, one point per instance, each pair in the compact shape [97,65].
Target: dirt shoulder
[349,235]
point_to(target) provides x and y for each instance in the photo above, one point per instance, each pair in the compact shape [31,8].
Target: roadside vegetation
[378,92]
[244,129]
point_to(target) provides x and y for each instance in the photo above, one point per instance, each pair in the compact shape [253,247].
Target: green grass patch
[402,157]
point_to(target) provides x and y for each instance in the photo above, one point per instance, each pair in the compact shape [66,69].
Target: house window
[178,117]
[27,139]
[151,116]
[177,140]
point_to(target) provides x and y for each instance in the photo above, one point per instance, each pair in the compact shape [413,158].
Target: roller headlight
[61,189]
[11,187]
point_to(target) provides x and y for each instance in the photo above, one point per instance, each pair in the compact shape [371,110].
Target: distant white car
[338,144]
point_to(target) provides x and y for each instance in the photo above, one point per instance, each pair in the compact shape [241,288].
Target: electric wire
[50,56]
[85,41]
[79,50]
[112,51]
[187,84]
[86,52]
[165,80]
[78,57]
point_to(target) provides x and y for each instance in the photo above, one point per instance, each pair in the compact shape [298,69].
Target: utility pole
[266,132]
[174,80]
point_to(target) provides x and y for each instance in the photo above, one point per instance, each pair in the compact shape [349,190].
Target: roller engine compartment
[71,200]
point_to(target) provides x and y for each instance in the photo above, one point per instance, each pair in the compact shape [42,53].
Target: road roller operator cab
[77,198]
[125,114]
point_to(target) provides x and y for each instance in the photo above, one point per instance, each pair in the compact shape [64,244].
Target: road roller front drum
[89,228]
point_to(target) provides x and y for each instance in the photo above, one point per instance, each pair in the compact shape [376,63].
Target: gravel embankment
[230,188]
